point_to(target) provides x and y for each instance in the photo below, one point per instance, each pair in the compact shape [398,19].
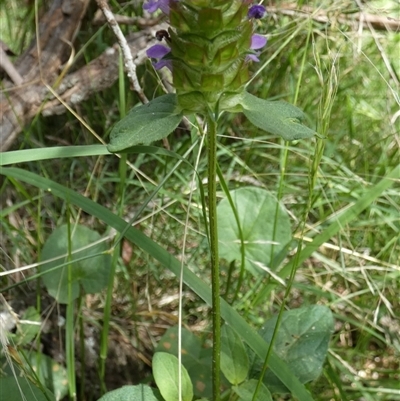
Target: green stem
[70,327]
[215,285]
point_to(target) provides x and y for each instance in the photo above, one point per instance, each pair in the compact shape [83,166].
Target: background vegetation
[346,78]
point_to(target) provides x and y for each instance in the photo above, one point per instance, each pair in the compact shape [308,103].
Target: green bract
[210,40]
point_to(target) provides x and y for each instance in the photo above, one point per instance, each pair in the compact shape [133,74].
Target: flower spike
[211,43]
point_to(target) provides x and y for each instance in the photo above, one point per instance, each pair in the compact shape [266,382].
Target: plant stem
[70,328]
[215,285]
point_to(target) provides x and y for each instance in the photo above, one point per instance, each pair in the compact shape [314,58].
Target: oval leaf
[50,373]
[90,274]
[195,358]
[234,359]
[165,372]
[145,124]
[302,342]
[256,208]
[276,117]
[191,346]
[141,392]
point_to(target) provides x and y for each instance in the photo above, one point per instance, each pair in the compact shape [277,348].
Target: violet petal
[252,57]
[157,51]
[258,41]
[153,5]
[163,63]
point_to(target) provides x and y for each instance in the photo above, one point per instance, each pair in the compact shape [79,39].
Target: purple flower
[158,52]
[256,11]
[163,63]
[257,42]
[153,5]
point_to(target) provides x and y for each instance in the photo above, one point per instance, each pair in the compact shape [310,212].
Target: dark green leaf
[191,346]
[21,389]
[51,373]
[90,270]
[276,117]
[145,124]
[302,342]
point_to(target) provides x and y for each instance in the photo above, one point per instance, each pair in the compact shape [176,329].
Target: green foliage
[209,44]
[277,118]
[14,388]
[50,373]
[265,228]
[232,317]
[234,360]
[195,357]
[246,391]
[350,255]
[139,392]
[166,376]
[145,124]
[302,341]
[27,330]
[90,268]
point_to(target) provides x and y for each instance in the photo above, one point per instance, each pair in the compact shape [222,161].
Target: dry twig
[126,52]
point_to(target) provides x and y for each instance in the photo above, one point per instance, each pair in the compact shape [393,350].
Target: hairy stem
[215,285]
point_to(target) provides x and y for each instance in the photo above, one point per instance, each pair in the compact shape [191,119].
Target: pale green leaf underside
[166,376]
[276,117]
[141,392]
[234,360]
[264,233]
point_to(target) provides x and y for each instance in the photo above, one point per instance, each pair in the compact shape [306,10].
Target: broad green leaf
[302,341]
[141,392]
[201,377]
[145,124]
[247,390]
[14,388]
[234,360]
[166,376]
[50,373]
[191,346]
[195,358]
[276,117]
[264,233]
[90,269]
